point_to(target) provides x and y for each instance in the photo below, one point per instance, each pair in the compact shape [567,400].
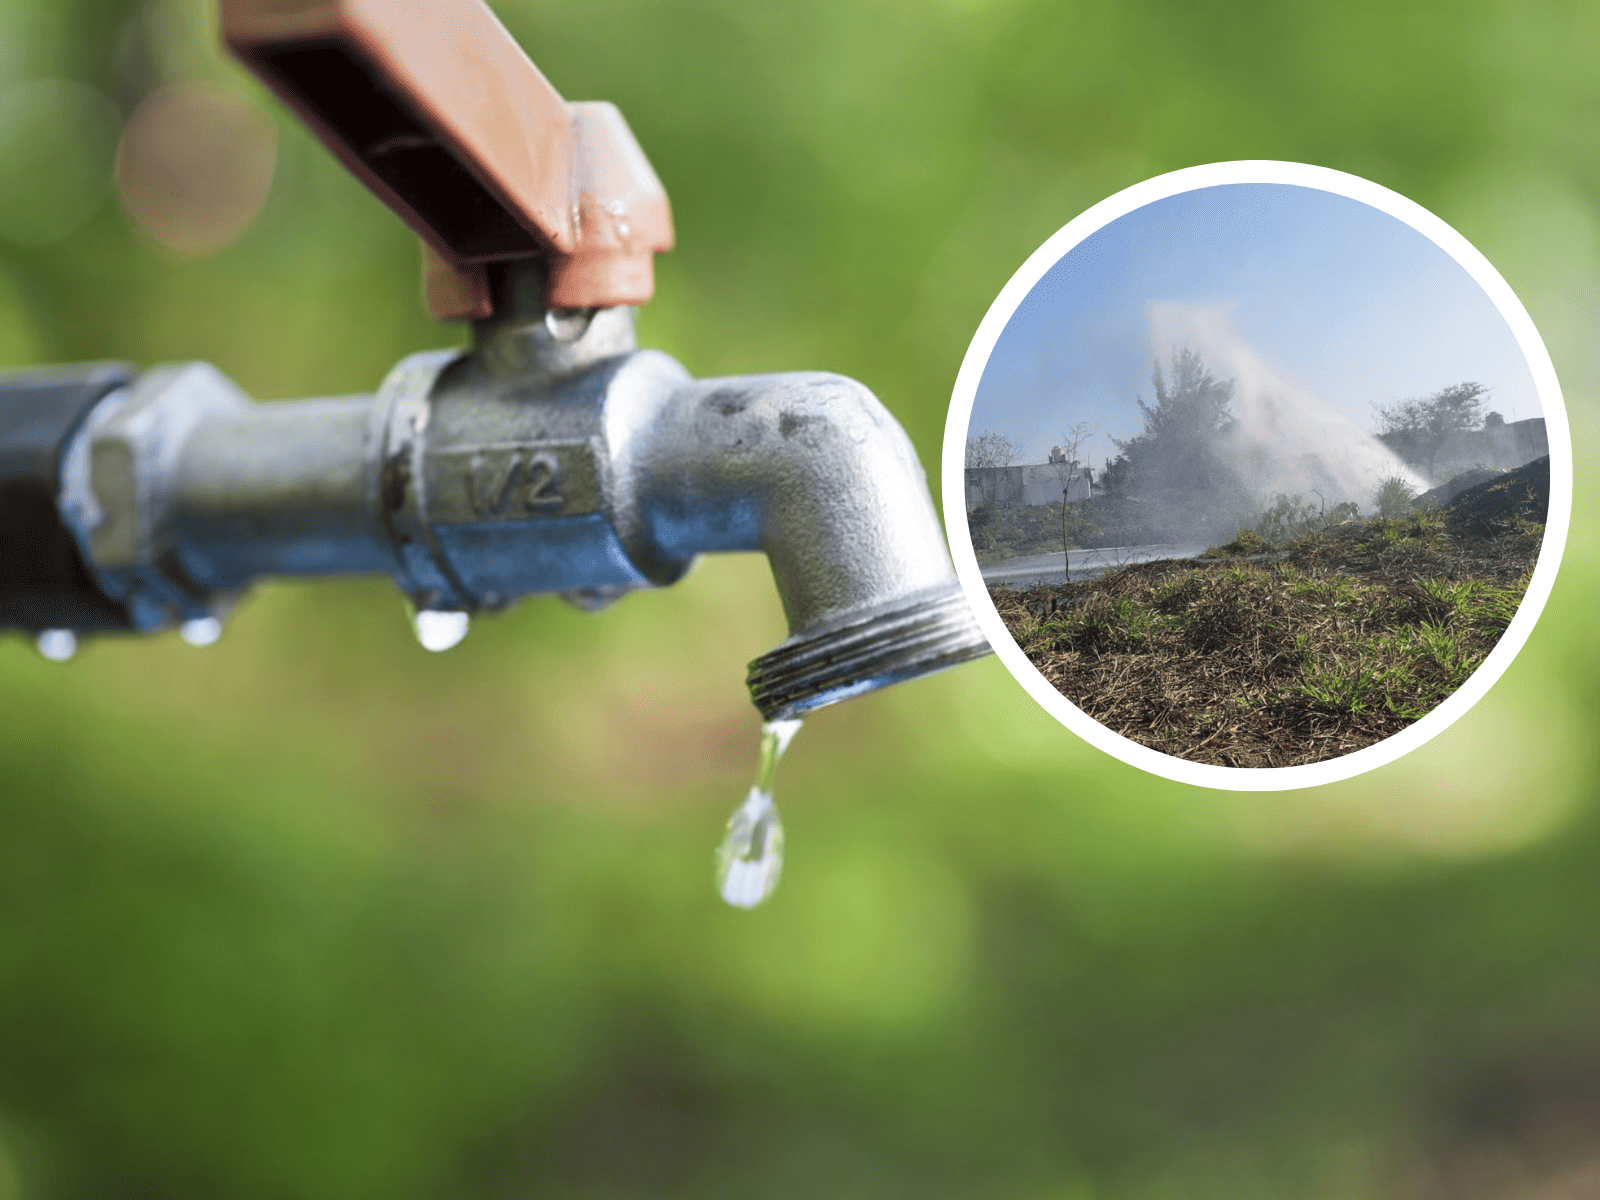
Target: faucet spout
[812,470]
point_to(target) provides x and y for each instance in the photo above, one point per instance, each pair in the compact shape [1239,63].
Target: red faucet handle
[435,107]
[624,219]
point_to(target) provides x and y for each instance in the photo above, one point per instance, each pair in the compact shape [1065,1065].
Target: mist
[1288,438]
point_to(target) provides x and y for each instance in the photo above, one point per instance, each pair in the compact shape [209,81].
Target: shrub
[1392,498]
[1290,517]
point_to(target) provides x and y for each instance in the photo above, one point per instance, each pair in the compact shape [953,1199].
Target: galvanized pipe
[277,489]
[810,469]
[553,457]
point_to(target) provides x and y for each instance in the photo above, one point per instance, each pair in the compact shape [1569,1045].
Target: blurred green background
[313,913]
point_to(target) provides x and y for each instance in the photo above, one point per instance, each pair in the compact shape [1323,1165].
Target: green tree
[1417,429]
[1178,449]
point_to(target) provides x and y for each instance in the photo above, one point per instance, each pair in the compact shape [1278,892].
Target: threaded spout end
[863,652]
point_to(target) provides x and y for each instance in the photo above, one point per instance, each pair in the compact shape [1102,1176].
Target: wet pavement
[1086,564]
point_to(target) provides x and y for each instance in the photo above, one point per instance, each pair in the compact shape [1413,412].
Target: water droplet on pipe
[58,645]
[440,630]
[202,631]
[568,324]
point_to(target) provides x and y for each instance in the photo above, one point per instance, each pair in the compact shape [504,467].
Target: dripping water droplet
[202,631]
[750,858]
[440,630]
[58,645]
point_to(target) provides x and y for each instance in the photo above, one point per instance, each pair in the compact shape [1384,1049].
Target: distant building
[1031,484]
[1500,444]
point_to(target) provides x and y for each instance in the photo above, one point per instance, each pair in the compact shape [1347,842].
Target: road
[1086,564]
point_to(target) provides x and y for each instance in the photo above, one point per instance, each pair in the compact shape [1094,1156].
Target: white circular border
[1448,240]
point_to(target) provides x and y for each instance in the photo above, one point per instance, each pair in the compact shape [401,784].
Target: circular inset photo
[1257,475]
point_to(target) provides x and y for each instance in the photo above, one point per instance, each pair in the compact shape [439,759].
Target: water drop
[750,858]
[58,645]
[440,630]
[202,631]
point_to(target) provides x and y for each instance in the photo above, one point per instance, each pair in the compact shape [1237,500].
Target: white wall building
[1030,484]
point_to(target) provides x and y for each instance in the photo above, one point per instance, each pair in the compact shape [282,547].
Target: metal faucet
[553,456]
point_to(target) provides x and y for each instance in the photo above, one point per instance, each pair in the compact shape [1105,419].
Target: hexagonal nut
[133,456]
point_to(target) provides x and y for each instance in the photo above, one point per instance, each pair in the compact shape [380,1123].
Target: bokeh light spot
[194,168]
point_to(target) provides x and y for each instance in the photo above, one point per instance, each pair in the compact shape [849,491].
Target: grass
[1270,656]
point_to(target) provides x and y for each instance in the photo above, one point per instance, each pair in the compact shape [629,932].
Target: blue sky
[1322,298]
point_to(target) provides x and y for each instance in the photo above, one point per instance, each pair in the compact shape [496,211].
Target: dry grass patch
[1275,657]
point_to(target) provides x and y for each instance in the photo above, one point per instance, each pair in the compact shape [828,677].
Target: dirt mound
[1505,504]
[1446,492]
